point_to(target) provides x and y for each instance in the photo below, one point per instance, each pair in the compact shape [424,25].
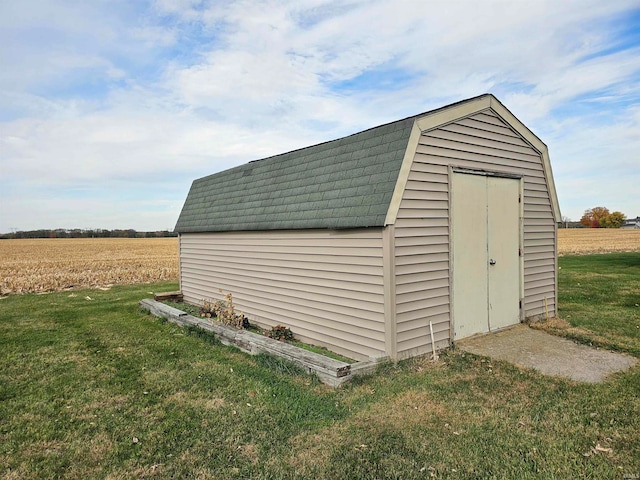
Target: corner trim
[389,278]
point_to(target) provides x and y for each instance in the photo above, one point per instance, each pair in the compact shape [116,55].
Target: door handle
[492,262]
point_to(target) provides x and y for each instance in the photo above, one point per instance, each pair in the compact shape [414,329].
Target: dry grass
[45,265]
[597,240]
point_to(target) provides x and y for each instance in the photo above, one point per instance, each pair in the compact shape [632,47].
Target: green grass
[600,300]
[322,351]
[81,379]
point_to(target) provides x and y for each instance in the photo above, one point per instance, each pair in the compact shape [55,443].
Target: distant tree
[565,221]
[600,217]
[593,216]
[613,220]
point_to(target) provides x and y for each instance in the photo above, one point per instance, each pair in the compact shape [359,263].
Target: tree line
[86,233]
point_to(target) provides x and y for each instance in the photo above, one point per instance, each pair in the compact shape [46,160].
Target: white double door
[486,249]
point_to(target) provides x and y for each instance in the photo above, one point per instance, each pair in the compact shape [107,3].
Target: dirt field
[597,240]
[45,265]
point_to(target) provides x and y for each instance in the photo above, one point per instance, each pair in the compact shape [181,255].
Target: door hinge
[519,198]
[520,304]
[519,251]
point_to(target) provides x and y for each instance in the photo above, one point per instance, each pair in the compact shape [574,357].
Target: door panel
[469,222]
[503,243]
[485,220]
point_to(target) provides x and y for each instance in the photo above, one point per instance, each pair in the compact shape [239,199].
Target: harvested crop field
[45,265]
[597,240]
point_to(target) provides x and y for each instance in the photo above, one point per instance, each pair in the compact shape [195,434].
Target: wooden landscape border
[330,371]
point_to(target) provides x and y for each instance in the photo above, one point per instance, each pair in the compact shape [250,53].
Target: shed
[447,218]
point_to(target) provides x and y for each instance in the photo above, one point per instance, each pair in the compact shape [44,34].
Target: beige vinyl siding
[327,286]
[422,260]
[481,141]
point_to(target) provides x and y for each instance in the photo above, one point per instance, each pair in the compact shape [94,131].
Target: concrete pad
[549,354]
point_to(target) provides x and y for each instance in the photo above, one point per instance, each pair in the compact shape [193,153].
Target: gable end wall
[480,141]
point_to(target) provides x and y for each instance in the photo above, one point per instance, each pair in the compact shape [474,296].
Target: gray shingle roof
[344,183]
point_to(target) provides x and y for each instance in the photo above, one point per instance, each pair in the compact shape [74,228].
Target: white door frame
[487,173]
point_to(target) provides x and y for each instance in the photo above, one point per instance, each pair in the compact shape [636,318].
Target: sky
[110,109]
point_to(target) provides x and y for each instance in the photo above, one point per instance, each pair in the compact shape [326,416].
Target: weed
[280,332]
[224,311]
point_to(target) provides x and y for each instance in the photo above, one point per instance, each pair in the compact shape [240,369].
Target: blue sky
[109,109]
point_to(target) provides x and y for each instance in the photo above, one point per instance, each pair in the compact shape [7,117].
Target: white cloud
[111,94]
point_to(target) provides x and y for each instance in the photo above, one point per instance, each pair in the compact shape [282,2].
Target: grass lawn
[98,389]
[600,300]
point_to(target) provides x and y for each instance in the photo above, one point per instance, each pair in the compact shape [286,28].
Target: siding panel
[460,158]
[482,141]
[325,285]
[483,134]
[492,143]
[472,146]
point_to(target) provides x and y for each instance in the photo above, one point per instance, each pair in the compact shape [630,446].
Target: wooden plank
[168,296]
[327,369]
[161,310]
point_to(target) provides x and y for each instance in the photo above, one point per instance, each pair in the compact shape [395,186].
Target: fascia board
[403,175]
[536,143]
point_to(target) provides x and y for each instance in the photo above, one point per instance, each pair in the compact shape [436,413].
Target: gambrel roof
[352,182]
